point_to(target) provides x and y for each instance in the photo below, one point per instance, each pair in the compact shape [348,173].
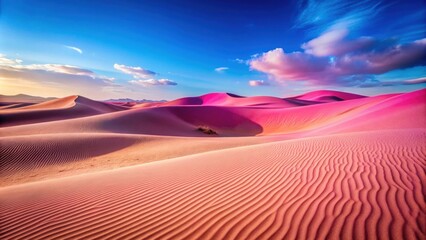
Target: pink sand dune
[243,120]
[396,112]
[352,186]
[328,96]
[323,165]
[227,99]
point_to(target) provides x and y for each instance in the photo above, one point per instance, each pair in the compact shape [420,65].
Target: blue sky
[168,49]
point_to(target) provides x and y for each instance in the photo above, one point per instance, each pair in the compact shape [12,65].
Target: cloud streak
[221,69]
[257,83]
[333,59]
[154,82]
[319,16]
[75,49]
[136,72]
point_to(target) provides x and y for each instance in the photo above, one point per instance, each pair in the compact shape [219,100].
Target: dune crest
[328,96]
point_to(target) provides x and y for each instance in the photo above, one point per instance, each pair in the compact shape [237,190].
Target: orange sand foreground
[324,165]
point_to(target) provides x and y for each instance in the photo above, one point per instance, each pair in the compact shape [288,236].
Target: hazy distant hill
[24,98]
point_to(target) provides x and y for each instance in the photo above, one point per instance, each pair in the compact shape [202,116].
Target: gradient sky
[168,49]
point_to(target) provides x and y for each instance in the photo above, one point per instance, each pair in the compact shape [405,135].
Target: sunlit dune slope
[351,186]
[57,109]
[398,111]
[38,157]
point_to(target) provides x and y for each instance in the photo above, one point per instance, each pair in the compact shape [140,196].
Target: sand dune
[322,165]
[328,96]
[231,121]
[10,105]
[53,110]
[350,186]
[37,157]
[396,112]
[25,156]
[227,99]
[23,98]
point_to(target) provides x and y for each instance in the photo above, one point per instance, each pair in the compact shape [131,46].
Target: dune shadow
[184,121]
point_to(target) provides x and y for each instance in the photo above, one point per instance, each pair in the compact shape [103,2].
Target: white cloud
[75,49]
[257,83]
[153,82]
[136,72]
[221,69]
[143,77]
[8,61]
[54,78]
[241,61]
[55,73]
[334,43]
[59,68]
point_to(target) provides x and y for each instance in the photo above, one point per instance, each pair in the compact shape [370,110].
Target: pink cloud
[289,66]
[331,59]
[415,81]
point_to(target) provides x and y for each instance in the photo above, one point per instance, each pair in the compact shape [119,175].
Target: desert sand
[322,165]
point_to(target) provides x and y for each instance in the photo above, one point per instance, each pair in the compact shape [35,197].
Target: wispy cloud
[154,82]
[318,15]
[375,83]
[136,72]
[241,61]
[333,59]
[257,83]
[8,61]
[335,43]
[143,77]
[221,69]
[408,27]
[75,49]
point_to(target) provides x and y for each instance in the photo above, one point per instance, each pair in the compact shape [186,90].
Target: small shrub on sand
[206,130]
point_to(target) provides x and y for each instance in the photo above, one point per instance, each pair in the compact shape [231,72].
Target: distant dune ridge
[19,98]
[321,165]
